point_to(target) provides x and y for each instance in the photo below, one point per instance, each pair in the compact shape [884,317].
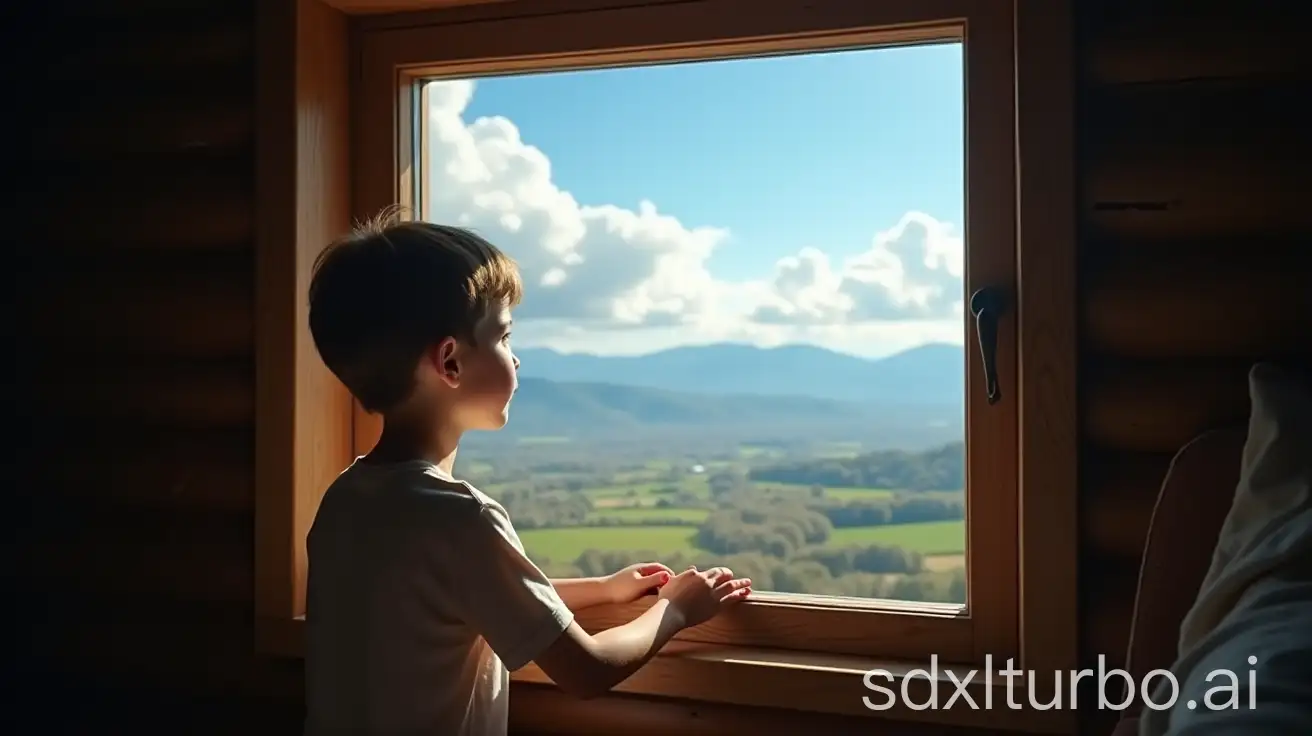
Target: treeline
[938,469]
[784,529]
[898,510]
[797,535]
[738,491]
[839,572]
[777,532]
[541,511]
[532,510]
[577,510]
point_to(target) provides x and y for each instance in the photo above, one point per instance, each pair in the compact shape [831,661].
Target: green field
[929,538]
[543,440]
[589,510]
[631,515]
[646,492]
[640,488]
[842,494]
[692,484]
[857,494]
[566,544]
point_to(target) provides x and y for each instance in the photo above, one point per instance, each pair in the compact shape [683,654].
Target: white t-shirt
[420,602]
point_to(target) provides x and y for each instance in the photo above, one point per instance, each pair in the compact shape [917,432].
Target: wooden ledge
[840,685]
[926,692]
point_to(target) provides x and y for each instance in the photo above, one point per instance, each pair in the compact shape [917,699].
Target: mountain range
[931,374]
[732,387]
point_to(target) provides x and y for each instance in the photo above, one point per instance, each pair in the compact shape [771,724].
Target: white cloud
[602,277]
[912,271]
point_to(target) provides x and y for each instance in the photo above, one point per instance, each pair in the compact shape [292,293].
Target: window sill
[804,681]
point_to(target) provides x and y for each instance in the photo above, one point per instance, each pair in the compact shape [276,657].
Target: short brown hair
[383,294]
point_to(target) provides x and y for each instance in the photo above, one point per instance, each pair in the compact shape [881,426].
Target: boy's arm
[580,593]
[629,584]
[587,665]
[501,594]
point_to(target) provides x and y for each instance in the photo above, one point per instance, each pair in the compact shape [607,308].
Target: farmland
[930,538]
[817,518]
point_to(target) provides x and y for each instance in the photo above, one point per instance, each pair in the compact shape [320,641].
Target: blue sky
[818,150]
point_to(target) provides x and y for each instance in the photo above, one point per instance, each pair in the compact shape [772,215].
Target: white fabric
[1256,599]
[420,601]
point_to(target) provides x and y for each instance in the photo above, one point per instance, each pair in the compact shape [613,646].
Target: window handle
[987,305]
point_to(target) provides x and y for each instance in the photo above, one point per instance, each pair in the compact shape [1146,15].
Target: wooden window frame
[1022,540]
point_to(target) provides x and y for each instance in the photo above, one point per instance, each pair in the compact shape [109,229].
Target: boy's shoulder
[417,488]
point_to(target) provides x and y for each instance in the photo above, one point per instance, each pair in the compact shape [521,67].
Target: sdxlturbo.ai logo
[1229,686]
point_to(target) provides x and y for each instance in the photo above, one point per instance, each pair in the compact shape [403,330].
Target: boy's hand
[635,581]
[700,596]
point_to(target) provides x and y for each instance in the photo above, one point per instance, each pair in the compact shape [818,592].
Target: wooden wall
[135,265]
[1193,152]
[138,268]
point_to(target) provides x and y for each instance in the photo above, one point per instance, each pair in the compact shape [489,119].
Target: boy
[420,598]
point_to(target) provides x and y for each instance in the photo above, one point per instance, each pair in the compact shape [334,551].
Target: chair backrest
[1192,504]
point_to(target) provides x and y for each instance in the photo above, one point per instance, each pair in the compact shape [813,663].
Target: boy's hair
[389,290]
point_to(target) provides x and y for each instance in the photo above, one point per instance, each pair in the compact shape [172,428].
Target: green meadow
[561,544]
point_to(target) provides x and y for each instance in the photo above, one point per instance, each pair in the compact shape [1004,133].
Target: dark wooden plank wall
[136,263]
[1193,166]
[137,270]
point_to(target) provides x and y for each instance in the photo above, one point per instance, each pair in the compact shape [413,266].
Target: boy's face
[484,378]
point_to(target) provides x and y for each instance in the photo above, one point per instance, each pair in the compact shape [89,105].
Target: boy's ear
[446,362]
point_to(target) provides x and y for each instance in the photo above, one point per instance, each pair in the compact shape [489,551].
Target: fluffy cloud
[607,268]
[912,271]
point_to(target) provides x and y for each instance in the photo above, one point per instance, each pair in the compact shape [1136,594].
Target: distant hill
[605,411]
[548,405]
[928,375]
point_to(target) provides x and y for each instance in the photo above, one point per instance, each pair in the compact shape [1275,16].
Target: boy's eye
[506,338]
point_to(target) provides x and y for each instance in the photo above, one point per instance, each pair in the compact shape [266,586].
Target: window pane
[742,335]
